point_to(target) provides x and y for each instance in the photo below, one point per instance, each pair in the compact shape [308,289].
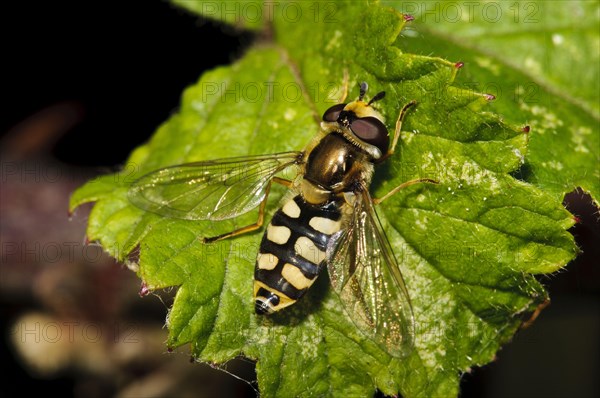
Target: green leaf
[542,62]
[468,247]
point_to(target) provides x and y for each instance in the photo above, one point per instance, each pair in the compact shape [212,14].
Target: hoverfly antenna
[363,89]
[377,97]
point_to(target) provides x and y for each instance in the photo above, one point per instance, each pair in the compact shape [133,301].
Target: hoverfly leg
[261,215]
[397,131]
[402,186]
[283,181]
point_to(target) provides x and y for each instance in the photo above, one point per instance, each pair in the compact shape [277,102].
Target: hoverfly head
[361,119]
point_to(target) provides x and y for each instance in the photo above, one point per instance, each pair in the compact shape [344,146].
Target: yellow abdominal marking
[307,249]
[284,301]
[277,234]
[291,209]
[325,225]
[295,277]
[266,261]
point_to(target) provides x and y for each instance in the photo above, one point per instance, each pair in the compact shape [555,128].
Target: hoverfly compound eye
[372,131]
[332,114]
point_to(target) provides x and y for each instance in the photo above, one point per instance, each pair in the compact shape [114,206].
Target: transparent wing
[366,276]
[210,190]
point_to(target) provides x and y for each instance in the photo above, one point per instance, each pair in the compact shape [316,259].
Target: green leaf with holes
[469,247]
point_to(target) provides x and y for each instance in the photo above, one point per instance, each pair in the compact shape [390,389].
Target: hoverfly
[329,221]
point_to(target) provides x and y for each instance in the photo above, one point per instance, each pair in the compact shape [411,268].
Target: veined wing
[209,190]
[366,276]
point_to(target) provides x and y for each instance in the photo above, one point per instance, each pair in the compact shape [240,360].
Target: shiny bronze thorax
[335,164]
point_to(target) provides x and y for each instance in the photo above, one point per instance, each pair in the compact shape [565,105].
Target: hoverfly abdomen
[293,251]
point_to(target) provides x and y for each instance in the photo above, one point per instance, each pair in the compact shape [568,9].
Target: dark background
[100,77]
